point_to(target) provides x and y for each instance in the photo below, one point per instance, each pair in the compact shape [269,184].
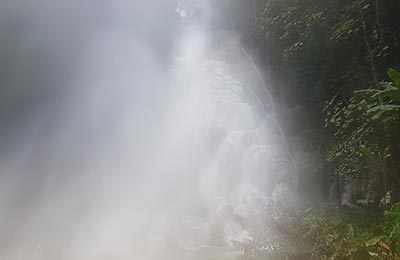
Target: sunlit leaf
[384,108]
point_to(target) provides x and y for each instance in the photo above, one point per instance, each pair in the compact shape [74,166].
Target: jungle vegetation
[334,65]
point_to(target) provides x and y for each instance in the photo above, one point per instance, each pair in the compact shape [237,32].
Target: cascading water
[136,161]
[238,169]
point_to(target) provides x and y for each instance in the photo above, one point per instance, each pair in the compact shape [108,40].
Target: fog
[125,133]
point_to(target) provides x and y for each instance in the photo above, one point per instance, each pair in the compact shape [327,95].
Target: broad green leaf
[395,76]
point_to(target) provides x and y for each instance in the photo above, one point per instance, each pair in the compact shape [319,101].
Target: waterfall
[239,157]
[137,153]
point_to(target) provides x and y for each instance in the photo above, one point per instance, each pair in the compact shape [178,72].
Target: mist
[127,132]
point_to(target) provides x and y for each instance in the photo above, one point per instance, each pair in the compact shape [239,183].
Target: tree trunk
[371,57]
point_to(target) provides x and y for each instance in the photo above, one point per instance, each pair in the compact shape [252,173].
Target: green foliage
[395,77]
[328,47]
[325,234]
[350,20]
[365,129]
[392,225]
[364,202]
[332,54]
[328,58]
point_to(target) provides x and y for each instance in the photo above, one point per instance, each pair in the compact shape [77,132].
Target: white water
[137,160]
